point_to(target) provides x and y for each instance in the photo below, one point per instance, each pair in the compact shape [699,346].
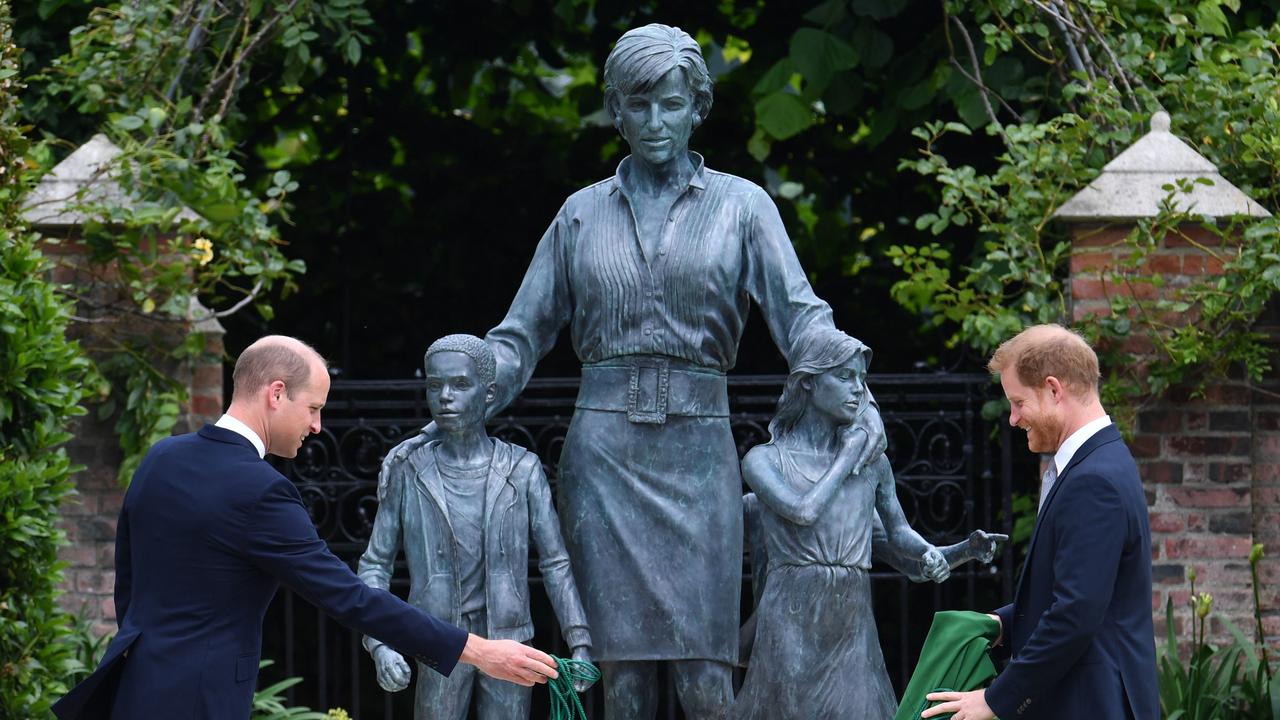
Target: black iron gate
[952,467]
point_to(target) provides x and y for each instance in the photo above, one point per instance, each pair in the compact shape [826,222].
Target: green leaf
[827,14]
[818,55]
[1210,18]
[783,115]
[353,50]
[127,122]
[759,145]
[220,212]
[876,48]
[155,116]
[775,78]
[47,8]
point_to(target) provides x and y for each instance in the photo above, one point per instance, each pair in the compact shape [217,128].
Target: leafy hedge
[43,377]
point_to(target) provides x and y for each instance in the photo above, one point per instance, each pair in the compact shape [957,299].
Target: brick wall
[89,516]
[1208,462]
[1265,458]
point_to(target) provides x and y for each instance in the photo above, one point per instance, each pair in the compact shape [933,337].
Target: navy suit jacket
[207,533]
[1079,629]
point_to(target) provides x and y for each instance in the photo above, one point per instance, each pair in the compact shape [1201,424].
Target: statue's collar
[620,178]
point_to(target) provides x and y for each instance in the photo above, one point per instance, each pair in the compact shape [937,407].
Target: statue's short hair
[644,55]
[271,358]
[471,346]
[1041,351]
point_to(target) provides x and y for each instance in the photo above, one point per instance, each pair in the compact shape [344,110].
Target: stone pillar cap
[55,202]
[1132,185]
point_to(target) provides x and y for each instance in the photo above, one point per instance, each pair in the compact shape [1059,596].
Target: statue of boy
[464,507]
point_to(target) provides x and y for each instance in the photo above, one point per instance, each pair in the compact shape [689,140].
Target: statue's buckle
[647,394]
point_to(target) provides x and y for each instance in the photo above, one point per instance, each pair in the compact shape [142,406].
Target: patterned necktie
[1046,483]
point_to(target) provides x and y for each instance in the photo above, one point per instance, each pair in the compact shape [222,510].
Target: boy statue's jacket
[517,506]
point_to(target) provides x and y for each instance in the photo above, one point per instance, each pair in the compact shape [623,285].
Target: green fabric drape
[954,658]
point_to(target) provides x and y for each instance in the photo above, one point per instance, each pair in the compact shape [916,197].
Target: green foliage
[33,628]
[268,703]
[1233,681]
[1114,64]
[43,378]
[151,403]
[162,79]
[87,650]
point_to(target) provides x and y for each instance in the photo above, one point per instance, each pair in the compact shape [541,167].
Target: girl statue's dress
[816,651]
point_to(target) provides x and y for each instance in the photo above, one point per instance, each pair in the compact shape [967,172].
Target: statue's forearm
[957,554]
[902,536]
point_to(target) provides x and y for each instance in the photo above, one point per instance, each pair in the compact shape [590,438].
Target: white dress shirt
[1078,438]
[229,423]
[1065,452]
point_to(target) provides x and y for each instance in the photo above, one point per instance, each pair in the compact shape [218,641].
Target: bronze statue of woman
[653,270]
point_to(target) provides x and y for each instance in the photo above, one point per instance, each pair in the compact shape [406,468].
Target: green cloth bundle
[954,659]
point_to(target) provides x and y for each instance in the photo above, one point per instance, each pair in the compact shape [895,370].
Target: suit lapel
[426,476]
[1108,434]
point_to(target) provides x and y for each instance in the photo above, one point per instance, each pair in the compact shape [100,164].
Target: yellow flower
[337,714]
[204,250]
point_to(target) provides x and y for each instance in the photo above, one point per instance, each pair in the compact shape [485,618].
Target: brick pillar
[89,517]
[1265,420]
[1208,463]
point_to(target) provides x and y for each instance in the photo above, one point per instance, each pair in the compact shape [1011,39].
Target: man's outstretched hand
[509,660]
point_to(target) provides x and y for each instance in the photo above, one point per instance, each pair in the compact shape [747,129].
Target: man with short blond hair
[207,534]
[1079,628]
[1044,350]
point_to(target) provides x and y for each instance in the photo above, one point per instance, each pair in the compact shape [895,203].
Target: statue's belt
[648,389]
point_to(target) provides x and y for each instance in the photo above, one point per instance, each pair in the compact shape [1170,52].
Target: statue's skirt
[816,652]
[652,517]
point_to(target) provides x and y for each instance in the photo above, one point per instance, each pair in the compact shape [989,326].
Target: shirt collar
[619,180]
[1068,450]
[228,422]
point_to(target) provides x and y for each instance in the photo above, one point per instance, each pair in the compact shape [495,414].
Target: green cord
[565,704]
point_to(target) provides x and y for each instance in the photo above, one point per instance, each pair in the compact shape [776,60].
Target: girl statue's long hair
[813,354]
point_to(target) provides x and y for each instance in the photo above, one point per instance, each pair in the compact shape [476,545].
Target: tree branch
[1077,36]
[1073,57]
[233,72]
[976,78]
[1115,61]
[1062,21]
[194,39]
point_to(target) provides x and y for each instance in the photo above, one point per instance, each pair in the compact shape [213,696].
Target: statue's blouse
[722,245]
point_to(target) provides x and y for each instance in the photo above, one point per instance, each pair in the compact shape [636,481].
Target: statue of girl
[816,652]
